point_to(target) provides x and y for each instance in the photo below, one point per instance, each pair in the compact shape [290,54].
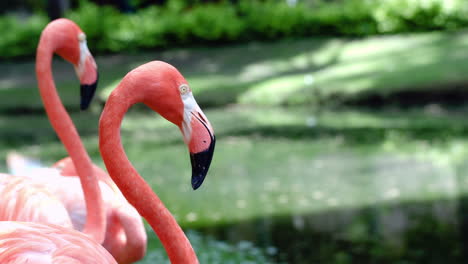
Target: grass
[272,164]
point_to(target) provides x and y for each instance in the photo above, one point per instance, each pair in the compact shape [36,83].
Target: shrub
[351,18]
[207,23]
[420,15]
[183,23]
[273,19]
[213,23]
[20,36]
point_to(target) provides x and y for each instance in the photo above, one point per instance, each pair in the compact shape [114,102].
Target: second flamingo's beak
[87,92]
[199,136]
[88,75]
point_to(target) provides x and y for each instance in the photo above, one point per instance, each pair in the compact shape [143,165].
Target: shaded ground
[315,71]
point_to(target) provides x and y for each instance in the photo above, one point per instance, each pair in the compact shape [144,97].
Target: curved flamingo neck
[132,185]
[66,131]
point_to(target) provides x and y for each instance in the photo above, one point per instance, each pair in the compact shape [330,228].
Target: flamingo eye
[184,89]
[81,37]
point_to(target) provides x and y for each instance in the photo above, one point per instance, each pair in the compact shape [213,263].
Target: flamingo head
[169,94]
[70,43]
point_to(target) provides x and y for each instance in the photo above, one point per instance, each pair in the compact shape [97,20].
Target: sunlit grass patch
[293,72]
[312,70]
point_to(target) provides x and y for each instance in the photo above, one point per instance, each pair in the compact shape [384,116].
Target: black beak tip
[87,92]
[200,164]
[197,181]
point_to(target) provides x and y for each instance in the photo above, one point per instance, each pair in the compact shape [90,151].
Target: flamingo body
[26,242]
[23,200]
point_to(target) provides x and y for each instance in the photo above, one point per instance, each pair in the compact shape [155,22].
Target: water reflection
[408,232]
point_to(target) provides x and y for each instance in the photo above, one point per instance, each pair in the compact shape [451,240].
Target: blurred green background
[341,125]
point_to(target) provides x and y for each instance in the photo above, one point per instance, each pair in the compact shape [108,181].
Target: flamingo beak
[199,136]
[201,163]
[88,75]
[87,92]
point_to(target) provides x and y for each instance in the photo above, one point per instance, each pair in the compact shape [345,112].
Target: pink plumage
[23,200]
[26,242]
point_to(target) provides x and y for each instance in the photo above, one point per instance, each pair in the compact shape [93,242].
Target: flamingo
[64,37]
[24,200]
[125,235]
[161,87]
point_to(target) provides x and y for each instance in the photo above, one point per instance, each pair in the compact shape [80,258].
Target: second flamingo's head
[69,41]
[167,92]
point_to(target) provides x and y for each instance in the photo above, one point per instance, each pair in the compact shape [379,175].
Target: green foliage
[271,20]
[157,27]
[351,18]
[417,15]
[183,23]
[99,23]
[208,23]
[20,36]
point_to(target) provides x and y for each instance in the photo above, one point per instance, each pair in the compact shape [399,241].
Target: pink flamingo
[161,87]
[125,236]
[27,201]
[23,200]
[65,38]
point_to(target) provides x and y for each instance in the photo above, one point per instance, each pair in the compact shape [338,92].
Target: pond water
[412,232]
